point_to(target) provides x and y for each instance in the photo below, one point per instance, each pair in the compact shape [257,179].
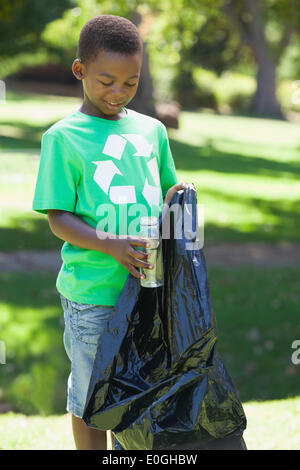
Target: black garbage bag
[158,381]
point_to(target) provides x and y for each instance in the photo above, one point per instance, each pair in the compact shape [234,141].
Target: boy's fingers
[138,254]
[138,242]
[134,271]
[179,186]
[174,189]
[139,263]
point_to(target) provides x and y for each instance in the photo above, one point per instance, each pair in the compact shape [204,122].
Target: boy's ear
[78,69]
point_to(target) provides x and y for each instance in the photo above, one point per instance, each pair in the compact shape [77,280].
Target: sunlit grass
[24,117]
[22,432]
[33,109]
[257,312]
[246,172]
[271,425]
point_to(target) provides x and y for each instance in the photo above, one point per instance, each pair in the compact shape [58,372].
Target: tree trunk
[143,101]
[252,34]
[264,102]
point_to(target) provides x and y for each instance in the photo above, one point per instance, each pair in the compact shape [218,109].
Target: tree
[250,18]
[22,22]
[221,34]
[72,22]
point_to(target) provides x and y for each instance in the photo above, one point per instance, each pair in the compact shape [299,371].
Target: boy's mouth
[112,105]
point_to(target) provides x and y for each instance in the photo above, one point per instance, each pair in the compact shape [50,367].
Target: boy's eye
[105,84]
[109,84]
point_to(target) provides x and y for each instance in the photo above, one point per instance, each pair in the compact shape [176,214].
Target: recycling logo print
[106,170]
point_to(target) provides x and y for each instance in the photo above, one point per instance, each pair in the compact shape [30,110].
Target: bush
[288,92]
[234,90]
[204,81]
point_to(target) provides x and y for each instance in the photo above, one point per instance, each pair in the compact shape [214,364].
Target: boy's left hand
[172,191]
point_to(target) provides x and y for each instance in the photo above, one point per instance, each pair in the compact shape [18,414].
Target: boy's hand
[172,191]
[122,250]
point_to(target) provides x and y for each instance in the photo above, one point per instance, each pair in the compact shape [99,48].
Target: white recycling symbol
[106,170]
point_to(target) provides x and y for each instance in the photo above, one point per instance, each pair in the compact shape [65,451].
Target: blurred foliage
[61,35]
[234,89]
[22,22]
[257,351]
[34,377]
[182,36]
[191,34]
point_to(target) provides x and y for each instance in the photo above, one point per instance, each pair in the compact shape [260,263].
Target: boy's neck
[91,110]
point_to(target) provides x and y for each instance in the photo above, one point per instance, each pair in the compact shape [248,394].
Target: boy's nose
[117,97]
[116,88]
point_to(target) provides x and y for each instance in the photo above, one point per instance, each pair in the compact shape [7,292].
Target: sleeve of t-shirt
[167,170]
[57,177]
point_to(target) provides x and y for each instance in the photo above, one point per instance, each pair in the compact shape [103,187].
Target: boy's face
[109,82]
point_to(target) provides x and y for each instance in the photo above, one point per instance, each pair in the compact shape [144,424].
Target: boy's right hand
[122,250]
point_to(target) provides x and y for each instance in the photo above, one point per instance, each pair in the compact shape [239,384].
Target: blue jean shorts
[84,325]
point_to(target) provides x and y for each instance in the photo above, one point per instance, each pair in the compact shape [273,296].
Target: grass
[271,425]
[246,172]
[22,432]
[257,312]
[23,120]
[25,116]
[31,325]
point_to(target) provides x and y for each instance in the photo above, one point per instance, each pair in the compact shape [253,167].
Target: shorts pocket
[80,306]
[89,323]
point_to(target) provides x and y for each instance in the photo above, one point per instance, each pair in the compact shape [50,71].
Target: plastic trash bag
[157,381]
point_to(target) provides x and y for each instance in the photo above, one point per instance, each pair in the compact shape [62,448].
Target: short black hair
[110,33]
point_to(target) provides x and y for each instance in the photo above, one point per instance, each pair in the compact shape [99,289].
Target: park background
[224,77]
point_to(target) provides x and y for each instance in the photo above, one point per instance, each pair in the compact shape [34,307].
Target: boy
[101,156]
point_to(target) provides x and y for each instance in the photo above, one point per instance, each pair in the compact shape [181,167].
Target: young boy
[103,156]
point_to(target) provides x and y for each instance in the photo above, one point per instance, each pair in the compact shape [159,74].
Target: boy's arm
[172,191]
[70,228]
[167,170]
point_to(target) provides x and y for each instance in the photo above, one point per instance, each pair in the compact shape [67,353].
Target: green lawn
[23,119]
[25,116]
[272,425]
[246,172]
[257,312]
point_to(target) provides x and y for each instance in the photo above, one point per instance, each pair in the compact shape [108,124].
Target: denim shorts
[84,325]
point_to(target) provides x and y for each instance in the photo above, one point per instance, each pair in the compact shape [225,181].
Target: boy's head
[109,63]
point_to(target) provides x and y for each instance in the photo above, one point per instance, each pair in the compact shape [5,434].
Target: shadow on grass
[207,157]
[284,214]
[28,233]
[21,135]
[187,157]
[34,377]
[257,321]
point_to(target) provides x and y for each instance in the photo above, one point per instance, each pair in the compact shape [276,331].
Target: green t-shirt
[109,174]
